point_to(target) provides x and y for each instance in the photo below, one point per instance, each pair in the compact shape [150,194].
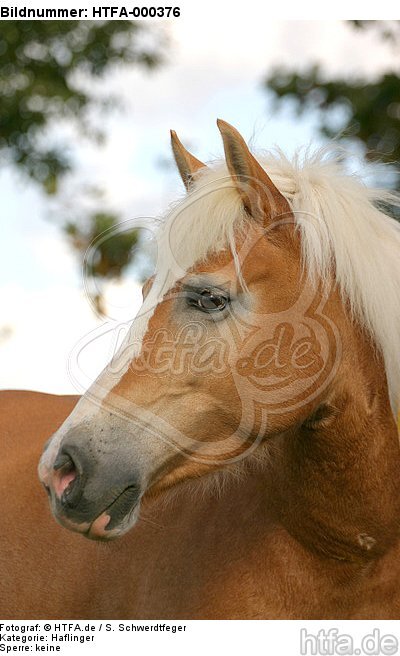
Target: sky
[50,339]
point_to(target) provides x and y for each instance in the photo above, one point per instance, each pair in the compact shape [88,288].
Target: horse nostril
[63,460]
[67,480]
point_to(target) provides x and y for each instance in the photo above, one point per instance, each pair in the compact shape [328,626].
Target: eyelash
[217,300]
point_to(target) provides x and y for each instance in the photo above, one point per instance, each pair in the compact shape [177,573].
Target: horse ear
[256,188]
[187,164]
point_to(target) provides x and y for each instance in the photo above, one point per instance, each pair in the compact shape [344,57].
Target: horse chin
[100,529]
[105,527]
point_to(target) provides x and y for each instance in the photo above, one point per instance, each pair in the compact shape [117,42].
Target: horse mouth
[118,517]
[115,520]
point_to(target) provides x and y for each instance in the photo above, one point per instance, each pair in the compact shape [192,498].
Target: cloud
[43,327]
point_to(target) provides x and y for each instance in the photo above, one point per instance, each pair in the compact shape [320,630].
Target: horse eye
[207,300]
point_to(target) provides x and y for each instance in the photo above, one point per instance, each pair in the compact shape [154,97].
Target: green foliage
[113,252]
[42,65]
[47,75]
[110,252]
[366,112]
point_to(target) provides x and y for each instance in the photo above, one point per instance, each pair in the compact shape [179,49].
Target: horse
[239,457]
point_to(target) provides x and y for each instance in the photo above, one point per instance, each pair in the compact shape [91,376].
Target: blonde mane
[342,230]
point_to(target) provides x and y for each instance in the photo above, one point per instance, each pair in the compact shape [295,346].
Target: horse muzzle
[92,496]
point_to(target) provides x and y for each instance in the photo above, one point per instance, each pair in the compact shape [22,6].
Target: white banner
[200,638]
[220,11]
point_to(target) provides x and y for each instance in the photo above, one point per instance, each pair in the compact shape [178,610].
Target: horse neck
[337,489]
[334,492]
